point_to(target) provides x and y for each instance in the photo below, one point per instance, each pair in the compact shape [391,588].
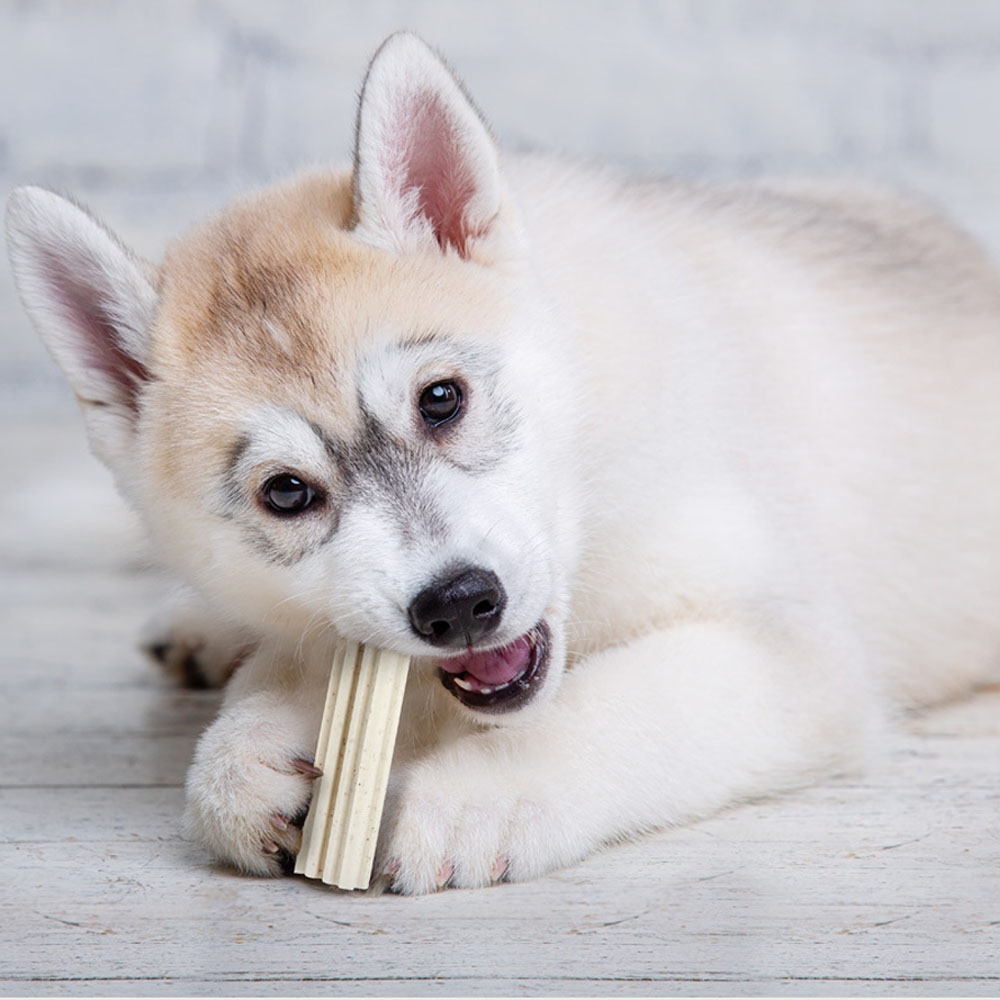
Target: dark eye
[440,403]
[287,494]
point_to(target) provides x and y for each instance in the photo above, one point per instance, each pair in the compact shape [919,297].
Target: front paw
[452,824]
[249,788]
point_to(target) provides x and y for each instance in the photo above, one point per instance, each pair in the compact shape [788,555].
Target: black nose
[458,610]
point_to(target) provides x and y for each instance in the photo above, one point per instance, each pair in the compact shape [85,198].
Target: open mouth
[499,680]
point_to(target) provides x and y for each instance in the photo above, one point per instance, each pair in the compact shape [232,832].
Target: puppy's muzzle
[459,609]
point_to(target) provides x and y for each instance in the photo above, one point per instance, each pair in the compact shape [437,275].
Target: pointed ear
[426,170]
[92,302]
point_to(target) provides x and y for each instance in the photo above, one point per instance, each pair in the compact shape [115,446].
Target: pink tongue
[495,666]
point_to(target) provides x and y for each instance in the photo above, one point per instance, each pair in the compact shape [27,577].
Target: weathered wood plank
[566,987]
[101,759]
[723,900]
[91,814]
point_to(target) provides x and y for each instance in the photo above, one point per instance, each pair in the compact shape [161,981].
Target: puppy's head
[343,404]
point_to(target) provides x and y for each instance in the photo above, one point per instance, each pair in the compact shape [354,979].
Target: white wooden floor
[884,886]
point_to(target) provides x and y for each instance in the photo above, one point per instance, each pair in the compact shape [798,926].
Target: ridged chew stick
[356,739]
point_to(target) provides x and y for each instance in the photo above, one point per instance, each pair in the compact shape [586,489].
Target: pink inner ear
[97,341]
[431,162]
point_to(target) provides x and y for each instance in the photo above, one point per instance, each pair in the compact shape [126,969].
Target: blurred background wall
[153,112]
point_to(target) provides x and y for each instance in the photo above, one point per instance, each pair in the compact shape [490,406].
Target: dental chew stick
[354,751]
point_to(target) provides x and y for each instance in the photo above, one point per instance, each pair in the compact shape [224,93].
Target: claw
[269,847]
[279,822]
[445,874]
[159,651]
[387,875]
[306,767]
[300,817]
[499,869]
[381,883]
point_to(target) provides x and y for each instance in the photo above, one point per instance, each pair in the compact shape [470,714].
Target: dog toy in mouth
[356,739]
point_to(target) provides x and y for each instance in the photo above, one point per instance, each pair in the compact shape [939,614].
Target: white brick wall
[155,111]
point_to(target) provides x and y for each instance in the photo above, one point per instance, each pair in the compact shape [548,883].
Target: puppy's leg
[194,645]
[249,785]
[662,731]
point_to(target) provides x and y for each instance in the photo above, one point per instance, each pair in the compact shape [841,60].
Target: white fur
[753,490]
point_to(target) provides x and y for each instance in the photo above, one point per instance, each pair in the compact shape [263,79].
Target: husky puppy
[675,492]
